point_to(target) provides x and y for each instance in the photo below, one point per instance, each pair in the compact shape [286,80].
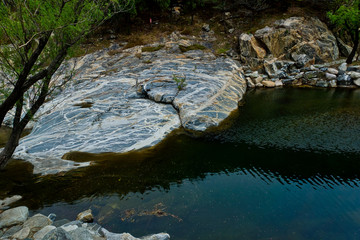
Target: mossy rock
[152,49]
[192,47]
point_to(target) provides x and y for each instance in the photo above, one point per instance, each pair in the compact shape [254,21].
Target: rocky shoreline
[15,224]
[121,100]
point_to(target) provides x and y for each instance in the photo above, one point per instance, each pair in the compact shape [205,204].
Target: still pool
[285,166]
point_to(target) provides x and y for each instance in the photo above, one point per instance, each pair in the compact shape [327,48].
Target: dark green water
[286,166]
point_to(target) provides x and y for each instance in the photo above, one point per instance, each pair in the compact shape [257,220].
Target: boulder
[300,39]
[268,84]
[333,71]
[330,76]
[7,201]
[13,216]
[36,222]
[344,49]
[354,75]
[42,232]
[357,82]
[85,216]
[22,234]
[343,67]
[250,47]
[57,233]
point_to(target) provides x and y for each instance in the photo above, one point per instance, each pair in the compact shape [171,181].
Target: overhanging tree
[35,38]
[347,18]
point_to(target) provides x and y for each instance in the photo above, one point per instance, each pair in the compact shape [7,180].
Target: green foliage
[180,81]
[23,24]
[347,16]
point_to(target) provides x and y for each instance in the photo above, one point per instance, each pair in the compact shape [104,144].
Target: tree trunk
[13,141]
[10,146]
[353,52]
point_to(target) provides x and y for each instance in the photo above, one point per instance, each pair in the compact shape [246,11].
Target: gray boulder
[57,234]
[13,216]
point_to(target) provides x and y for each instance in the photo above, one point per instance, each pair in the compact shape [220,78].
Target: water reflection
[282,146]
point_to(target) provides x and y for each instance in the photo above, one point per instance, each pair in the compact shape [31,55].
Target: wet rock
[8,201]
[13,216]
[42,232]
[52,217]
[85,216]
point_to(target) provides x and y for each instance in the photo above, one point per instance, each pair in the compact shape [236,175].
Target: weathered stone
[330,76]
[357,82]
[22,234]
[250,47]
[250,83]
[81,233]
[344,79]
[354,75]
[343,67]
[322,83]
[270,68]
[333,83]
[259,85]
[42,232]
[7,201]
[11,231]
[37,222]
[278,83]
[344,49]
[300,35]
[333,71]
[57,234]
[258,79]
[52,217]
[127,236]
[85,216]
[206,27]
[268,84]
[13,216]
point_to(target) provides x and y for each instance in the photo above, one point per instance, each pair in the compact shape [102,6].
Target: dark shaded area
[182,157]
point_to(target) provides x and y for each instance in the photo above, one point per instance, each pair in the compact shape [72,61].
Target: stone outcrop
[121,100]
[302,40]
